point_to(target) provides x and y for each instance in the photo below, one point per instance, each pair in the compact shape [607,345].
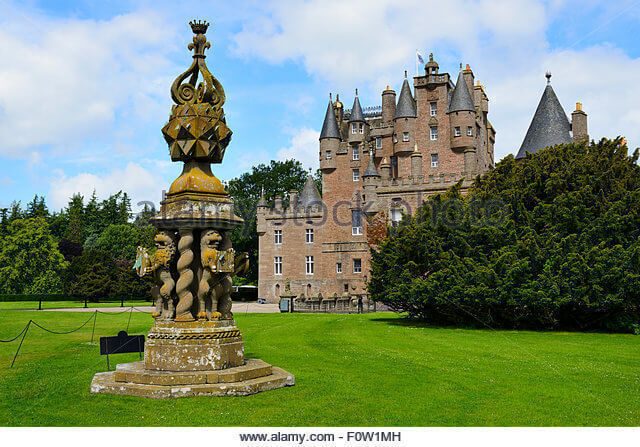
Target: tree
[276,178]
[120,241]
[75,231]
[30,261]
[550,241]
[91,275]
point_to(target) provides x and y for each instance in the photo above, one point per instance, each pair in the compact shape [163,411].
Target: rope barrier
[17,336]
[66,332]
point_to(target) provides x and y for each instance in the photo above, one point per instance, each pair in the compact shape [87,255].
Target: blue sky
[84,86]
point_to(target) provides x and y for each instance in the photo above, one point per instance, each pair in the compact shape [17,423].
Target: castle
[377,164]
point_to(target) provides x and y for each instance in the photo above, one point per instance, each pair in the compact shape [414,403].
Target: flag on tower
[419,56]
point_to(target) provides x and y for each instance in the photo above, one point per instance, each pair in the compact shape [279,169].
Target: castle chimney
[579,126]
[388,104]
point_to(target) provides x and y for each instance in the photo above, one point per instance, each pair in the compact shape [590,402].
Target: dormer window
[354,128]
[405,136]
[361,127]
[456,131]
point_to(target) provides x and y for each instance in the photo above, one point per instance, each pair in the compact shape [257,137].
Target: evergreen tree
[549,241]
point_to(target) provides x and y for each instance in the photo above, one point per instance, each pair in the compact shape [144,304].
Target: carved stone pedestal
[199,358]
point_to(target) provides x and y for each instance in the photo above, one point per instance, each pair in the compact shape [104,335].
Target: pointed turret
[310,195]
[371,170]
[405,119]
[330,125]
[356,111]
[358,128]
[406,107]
[461,98]
[549,126]
[329,138]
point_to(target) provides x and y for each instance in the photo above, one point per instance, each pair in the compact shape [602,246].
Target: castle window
[277,237]
[361,127]
[309,235]
[354,127]
[434,160]
[357,266]
[355,153]
[405,136]
[309,265]
[356,175]
[456,131]
[433,108]
[338,267]
[346,287]
[356,222]
[327,155]
[277,265]
[434,133]
[396,216]
[469,131]
[378,142]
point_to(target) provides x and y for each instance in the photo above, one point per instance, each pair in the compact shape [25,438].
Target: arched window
[277,290]
[308,289]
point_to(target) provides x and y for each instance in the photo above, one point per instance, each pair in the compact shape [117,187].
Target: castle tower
[549,126]
[357,125]
[405,118]
[462,116]
[329,139]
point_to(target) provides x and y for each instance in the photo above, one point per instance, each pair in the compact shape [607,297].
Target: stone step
[135,373]
[105,383]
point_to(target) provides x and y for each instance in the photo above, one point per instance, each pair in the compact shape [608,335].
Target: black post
[21,341]
[93,331]
[122,301]
[40,303]
[85,302]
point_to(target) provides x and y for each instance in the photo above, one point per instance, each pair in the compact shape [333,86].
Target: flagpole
[416,57]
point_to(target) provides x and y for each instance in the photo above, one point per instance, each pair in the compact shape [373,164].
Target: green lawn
[351,370]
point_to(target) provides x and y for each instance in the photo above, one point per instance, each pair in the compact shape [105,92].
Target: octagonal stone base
[193,346]
[198,358]
[132,379]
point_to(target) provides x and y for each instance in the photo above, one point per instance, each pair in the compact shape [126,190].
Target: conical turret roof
[549,126]
[310,194]
[406,107]
[356,111]
[371,170]
[330,125]
[461,98]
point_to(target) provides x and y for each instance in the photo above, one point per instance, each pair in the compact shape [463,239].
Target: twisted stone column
[185,279]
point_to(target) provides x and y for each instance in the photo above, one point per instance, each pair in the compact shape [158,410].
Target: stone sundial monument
[194,347]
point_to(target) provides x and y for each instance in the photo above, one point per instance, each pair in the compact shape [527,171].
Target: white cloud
[303,147]
[137,181]
[67,79]
[363,41]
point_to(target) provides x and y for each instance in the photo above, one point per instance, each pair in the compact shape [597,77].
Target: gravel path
[239,308]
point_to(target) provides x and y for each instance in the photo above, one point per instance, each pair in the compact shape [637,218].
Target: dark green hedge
[548,242]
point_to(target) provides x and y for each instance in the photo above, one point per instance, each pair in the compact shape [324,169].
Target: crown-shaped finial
[199,26]
[548,76]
